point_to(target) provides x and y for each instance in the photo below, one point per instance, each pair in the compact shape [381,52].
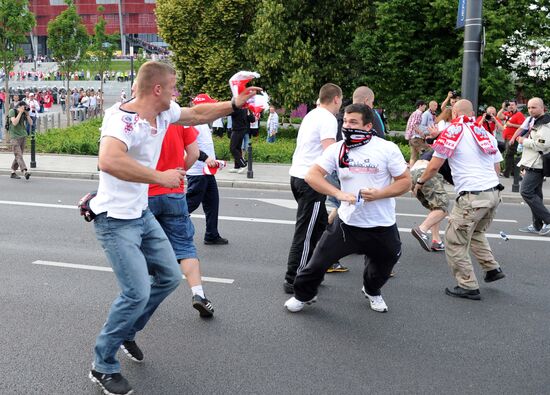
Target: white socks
[197,290]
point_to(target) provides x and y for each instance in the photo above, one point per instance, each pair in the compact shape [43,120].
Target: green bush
[82,139]
[79,139]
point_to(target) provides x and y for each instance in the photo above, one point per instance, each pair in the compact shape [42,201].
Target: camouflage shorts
[433,195]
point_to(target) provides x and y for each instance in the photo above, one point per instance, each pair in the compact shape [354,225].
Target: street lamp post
[131,67]
[472,50]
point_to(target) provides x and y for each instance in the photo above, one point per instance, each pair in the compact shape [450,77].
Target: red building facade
[138,19]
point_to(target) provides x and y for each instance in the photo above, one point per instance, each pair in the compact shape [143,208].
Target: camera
[506,103]
[22,103]
[488,117]
[454,94]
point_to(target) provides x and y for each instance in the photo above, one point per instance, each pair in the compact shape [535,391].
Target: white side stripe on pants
[307,241]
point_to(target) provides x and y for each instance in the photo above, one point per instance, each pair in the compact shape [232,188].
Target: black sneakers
[111,384]
[203,305]
[494,275]
[27,175]
[459,292]
[132,350]
[15,176]
[217,241]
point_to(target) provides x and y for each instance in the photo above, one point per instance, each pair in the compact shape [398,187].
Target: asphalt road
[428,343]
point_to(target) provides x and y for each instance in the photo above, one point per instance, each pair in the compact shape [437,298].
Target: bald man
[536,140]
[475,163]
[365,95]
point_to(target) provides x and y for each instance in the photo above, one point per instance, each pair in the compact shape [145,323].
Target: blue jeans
[270,139]
[246,139]
[136,250]
[333,179]
[171,211]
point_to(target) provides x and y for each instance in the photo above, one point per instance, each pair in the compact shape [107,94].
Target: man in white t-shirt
[317,132]
[202,187]
[475,163]
[135,245]
[372,171]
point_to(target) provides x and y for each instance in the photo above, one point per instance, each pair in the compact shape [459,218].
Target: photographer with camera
[512,120]
[20,119]
[492,124]
[452,98]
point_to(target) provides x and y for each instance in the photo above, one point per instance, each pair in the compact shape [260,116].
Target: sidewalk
[265,176]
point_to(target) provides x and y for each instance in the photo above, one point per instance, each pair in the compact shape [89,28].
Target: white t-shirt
[218,123]
[123,199]
[205,143]
[472,169]
[319,124]
[370,166]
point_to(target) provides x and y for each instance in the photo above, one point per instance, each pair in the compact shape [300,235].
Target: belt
[533,170]
[478,192]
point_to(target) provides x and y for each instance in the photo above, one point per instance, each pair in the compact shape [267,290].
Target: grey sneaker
[529,229]
[545,230]
[422,237]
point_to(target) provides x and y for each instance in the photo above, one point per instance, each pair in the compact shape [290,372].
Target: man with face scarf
[372,171]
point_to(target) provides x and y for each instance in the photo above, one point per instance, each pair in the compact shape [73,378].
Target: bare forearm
[397,188]
[125,168]
[205,113]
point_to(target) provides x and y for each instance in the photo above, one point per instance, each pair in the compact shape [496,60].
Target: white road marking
[244,219]
[280,221]
[108,269]
[291,204]
[32,204]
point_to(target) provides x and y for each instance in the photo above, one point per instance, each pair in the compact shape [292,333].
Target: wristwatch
[420,183]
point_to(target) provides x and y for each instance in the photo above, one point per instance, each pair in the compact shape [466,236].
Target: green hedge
[82,139]
[79,139]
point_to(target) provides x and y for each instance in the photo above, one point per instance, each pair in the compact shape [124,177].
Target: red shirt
[172,155]
[516,118]
[488,126]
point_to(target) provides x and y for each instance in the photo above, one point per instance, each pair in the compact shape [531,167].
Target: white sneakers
[240,170]
[376,302]
[294,305]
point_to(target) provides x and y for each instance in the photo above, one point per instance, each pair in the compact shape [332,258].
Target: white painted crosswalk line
[108,269]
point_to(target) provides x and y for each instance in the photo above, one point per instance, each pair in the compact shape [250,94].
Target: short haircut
[513,101]
[420,103]
[362,93]
[360,108]
[328,92]
[153,73]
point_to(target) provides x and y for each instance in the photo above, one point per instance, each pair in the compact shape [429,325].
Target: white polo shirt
[206,145]
[123,199]
[319,124]
[472,169]
[373,165]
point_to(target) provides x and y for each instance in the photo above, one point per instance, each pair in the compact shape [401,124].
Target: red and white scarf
[449,138]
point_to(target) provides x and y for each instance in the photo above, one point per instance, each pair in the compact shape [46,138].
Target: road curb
[58,174]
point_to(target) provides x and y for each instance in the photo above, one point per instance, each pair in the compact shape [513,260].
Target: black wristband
[234,104]
[202,156]
[421,183]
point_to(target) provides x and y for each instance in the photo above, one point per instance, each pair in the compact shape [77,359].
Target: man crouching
[371,171]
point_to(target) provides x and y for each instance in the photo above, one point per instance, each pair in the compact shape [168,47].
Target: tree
[412,52]
[16,22]
[296,56]
[207,38]
[102,47]
[68,41]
